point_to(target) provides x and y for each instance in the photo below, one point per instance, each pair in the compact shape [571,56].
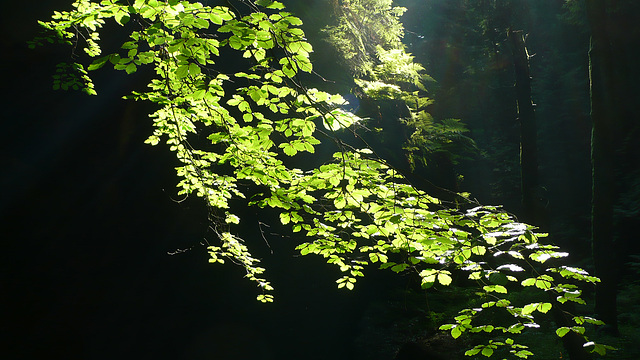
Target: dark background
[89,217]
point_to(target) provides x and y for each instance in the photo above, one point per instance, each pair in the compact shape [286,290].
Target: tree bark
[604,118]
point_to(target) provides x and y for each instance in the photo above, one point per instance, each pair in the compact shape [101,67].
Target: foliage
[362,27]
[368,38]
[354,210]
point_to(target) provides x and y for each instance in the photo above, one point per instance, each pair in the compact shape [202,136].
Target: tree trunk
[604,118]
[531,209]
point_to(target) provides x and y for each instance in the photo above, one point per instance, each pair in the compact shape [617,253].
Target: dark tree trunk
[531,209]
[604,118]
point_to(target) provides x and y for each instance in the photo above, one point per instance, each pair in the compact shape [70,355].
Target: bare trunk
[604,118]
[532,212]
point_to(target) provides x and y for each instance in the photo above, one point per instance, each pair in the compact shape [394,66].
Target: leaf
[487,351]
[473,351]
[340,202]
[148,12]
[235,43]
[456,332]
[350,286]
[562,331]
[122,17]
[495,288]
[275,5]
[264,3]
[289,149]
[544,282]
[98,63]
[131,68]
[182,71]
[232,219]
[544,307]
[215,18]
[529,308]
[498,278]
[399,267]
[301,47]
[444,279]
[285,218]
[198,94]
[523,354]
[515,328]
[194,69]
[201,23]
[479,250]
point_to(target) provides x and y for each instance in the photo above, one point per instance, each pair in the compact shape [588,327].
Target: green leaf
[523,354]
[515,328]
[285,218]
[444,279]
[544,307]
[148,12]
[562,331]
[479,250]
[350,286]
[201,23]
[122,17]
[131,68]
[487,351]
[456,332]
[544,282]
[495,288]
[232,219]
[194,69]
[399,267]
[98,63]
[289,149]
[498,278]
[528,309]
[473,351]
[198,94]
[270,4]
[114,59]
[182,71]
